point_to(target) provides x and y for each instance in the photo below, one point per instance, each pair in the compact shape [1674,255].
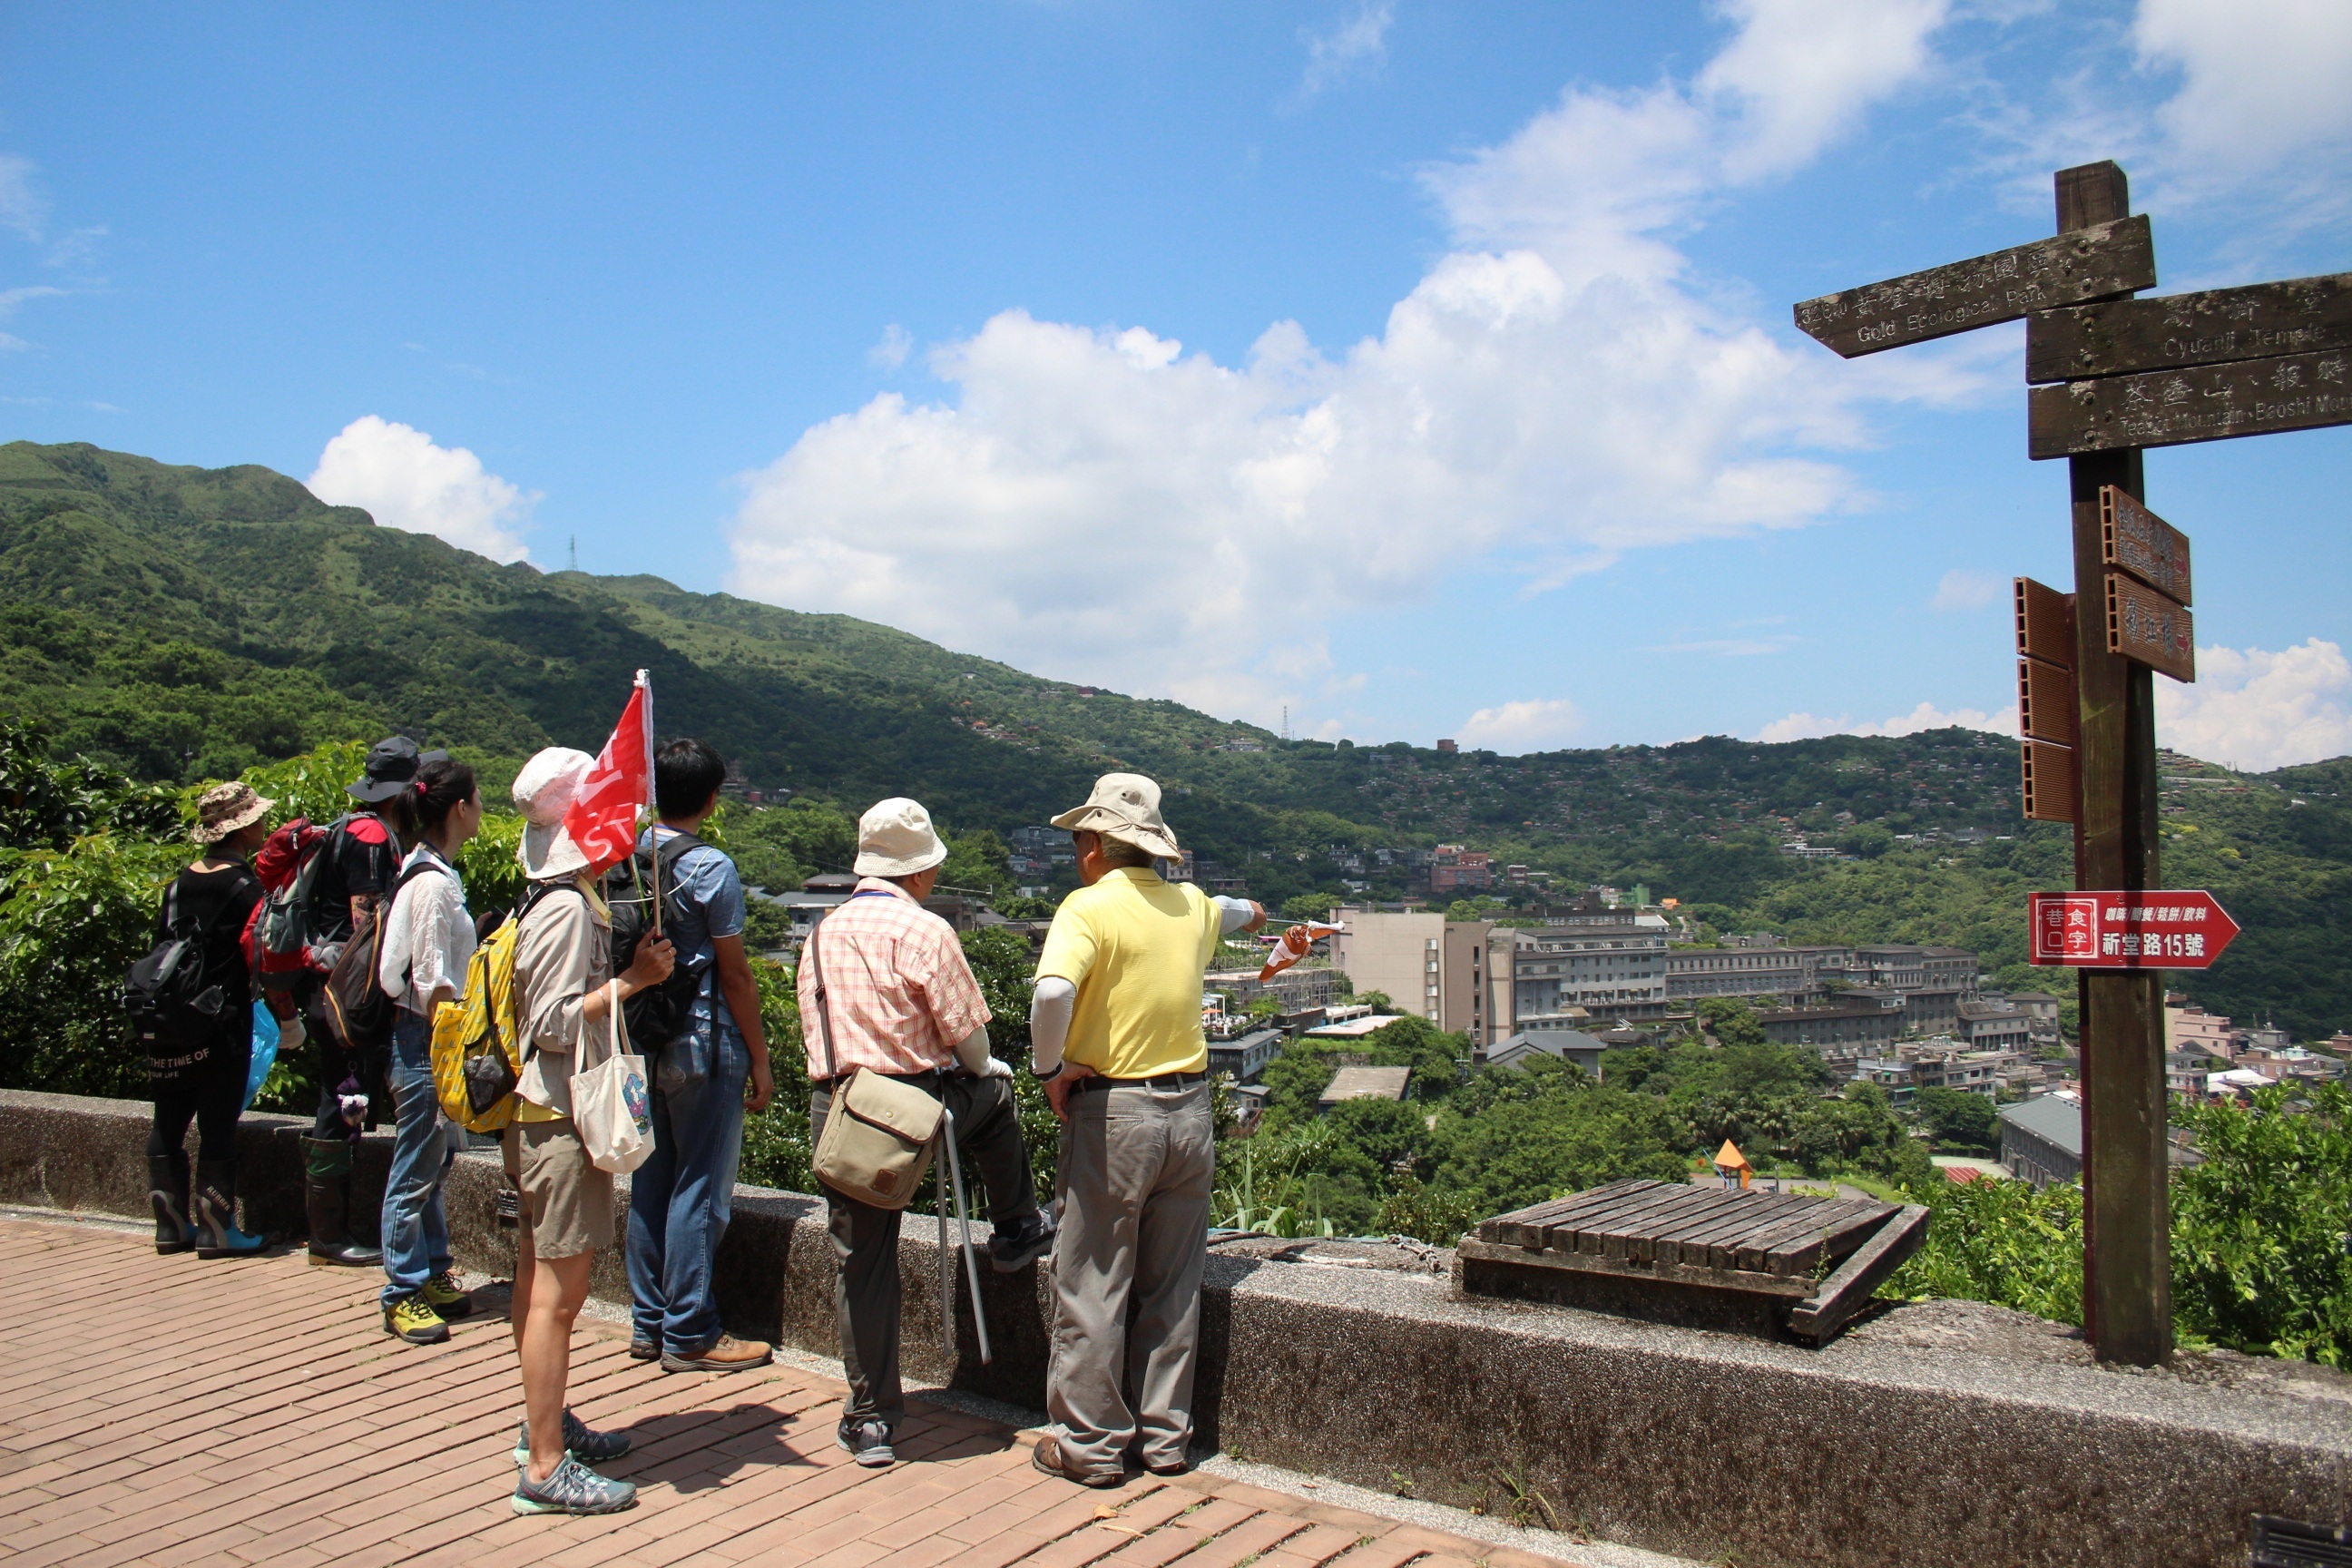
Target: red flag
[603,817]
[1293,945]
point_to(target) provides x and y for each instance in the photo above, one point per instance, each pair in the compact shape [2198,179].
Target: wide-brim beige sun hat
[1125,806]
[544,791]
[896,839]
[224,808]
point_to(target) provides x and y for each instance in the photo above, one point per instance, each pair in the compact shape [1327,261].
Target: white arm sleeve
[1236,913]
[972,1049]
[1050,1007]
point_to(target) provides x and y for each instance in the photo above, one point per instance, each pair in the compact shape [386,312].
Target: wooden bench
[1714,1257]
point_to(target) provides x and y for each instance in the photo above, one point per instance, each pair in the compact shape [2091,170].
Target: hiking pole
[963,1220]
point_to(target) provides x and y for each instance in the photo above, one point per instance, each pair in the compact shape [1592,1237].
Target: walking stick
[970,1263]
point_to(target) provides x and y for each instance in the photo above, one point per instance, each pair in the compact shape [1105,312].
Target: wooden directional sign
[2045,701]
[2127,929]
[2045,623]
[2171,407]
[2105,258]
[2049,782]
[2146,627]
[2122,337]
[2142,543]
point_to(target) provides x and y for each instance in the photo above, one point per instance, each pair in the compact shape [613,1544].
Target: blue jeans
[415,1227]
[680,1198]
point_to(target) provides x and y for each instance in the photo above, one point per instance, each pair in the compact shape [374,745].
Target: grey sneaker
[868,1442]
[579,1442]
[572,1488]
[1011,1253]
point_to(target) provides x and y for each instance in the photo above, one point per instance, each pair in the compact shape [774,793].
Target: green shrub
[2261,1257]
[2001,1242]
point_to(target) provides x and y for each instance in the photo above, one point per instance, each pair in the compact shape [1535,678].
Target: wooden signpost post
[2121,374]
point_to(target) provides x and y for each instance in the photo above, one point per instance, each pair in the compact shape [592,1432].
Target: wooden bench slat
[1560,1235]
[1839,1235]
[1664,1242]
[1756,1251]
[1609,1237]
[1567,1236]
[1525,1226]
[1801,1247]
[1534,1231]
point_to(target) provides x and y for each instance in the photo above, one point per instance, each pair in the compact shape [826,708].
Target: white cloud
[12,297]
[406,481]
[1803,72]
[1358,42]
[21,206]
[1530,725]
[2255,709]
[1961,590]
[1554,391]
[1926,716]
[2260,82]
[892,351]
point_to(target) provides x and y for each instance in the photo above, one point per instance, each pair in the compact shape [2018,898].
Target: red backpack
[278,934]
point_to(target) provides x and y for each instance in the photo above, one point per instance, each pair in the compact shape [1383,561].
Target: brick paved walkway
[170,1411]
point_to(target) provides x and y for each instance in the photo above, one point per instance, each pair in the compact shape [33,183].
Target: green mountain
[180,623]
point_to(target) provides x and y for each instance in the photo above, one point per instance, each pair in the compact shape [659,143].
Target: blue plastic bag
[265,1050]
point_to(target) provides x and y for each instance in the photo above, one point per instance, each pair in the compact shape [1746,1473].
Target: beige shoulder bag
[881,1134]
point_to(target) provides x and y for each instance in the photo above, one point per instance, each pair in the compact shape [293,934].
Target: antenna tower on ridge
[575,552]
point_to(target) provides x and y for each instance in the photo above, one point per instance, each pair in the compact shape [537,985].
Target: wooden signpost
[2122,374]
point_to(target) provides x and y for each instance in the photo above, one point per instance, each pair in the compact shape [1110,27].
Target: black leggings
[214,1103]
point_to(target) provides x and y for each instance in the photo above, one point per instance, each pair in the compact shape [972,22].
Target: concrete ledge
[1939,1433]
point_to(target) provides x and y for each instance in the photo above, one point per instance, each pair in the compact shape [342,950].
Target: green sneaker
[413,1319]
[445,1296]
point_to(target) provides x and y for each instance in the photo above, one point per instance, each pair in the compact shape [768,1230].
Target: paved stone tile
[252,1413]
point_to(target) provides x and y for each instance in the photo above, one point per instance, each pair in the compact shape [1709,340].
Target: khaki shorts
[566,1201]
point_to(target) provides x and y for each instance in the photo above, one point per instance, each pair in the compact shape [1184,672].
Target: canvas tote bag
[610,1104]
[881,1134]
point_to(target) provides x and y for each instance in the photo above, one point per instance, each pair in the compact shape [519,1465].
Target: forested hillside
[181,623]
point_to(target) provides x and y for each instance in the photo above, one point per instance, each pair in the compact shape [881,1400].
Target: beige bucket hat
[895,838]
[1125,806]
[224,808]
[544,790]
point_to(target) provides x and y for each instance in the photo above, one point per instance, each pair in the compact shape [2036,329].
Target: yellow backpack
[478,1043]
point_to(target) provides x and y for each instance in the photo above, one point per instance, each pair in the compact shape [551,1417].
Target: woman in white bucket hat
[564,992]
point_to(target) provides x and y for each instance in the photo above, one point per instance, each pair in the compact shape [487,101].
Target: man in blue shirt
[703,1082]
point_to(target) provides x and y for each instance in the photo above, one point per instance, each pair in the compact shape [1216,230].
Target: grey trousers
[866,1239]
[1137,1169]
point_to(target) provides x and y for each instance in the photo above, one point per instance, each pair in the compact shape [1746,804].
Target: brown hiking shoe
[727,1355]
[1047,1456]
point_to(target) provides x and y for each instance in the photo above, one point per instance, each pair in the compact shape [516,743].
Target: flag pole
[645,684]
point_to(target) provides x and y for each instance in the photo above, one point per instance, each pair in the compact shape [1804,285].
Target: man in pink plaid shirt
[900,1000]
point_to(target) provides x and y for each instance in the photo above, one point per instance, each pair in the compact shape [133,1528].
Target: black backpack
[660,1013]
[174,1006]
[360,1011]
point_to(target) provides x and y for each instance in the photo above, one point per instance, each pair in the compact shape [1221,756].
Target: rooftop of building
[2053,1119]
[1366,1083]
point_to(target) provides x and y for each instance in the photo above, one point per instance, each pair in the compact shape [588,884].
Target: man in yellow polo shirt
[1115,1033]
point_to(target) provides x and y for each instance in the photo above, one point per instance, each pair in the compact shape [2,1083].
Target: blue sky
[1424,368]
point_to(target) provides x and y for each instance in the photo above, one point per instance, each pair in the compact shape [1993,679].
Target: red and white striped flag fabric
[603,817]
[1293,945]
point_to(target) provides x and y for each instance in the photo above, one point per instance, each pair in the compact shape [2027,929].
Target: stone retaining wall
[1940,1435]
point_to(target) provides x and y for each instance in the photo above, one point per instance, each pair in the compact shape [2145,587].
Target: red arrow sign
[2179,928]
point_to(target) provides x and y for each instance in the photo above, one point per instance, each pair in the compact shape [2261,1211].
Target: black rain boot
[167,1181]
[216,1232]
[326,1190]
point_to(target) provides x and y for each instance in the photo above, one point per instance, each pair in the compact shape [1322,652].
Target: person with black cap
[360,861]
